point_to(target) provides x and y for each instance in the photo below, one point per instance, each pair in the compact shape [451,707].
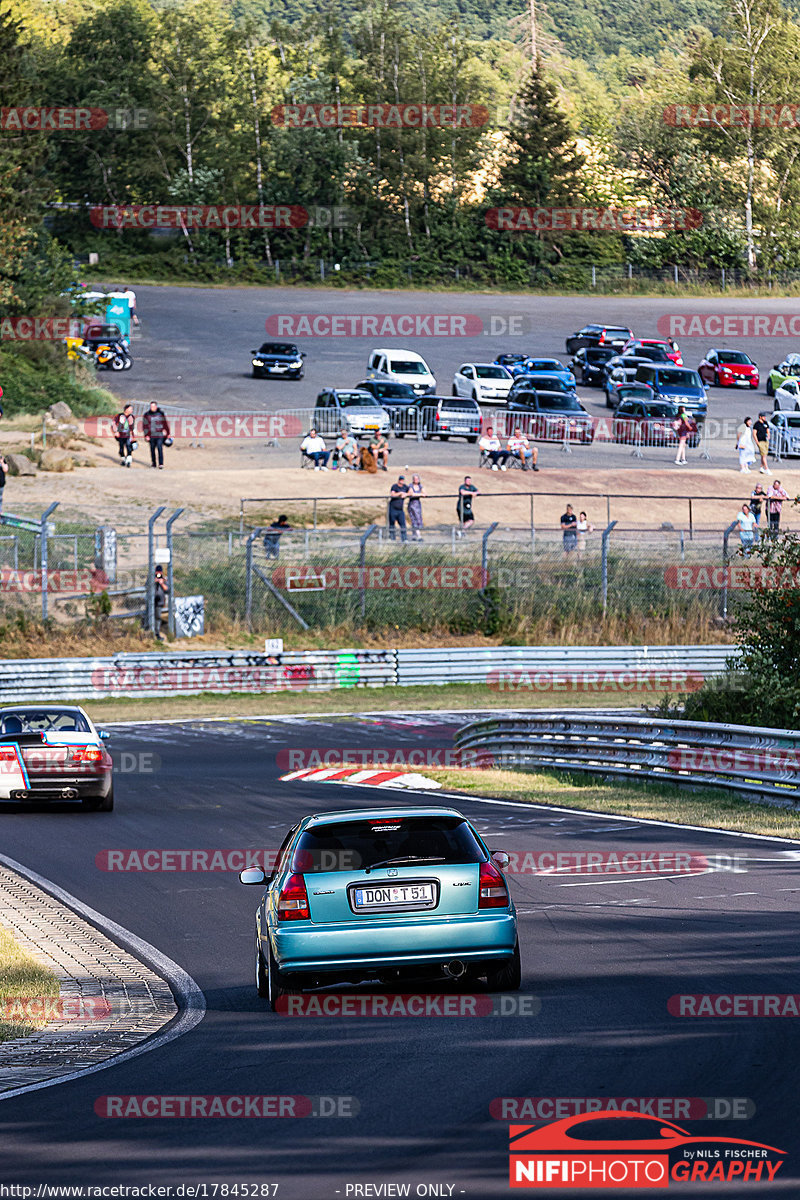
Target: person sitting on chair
[380,448]
[313,447]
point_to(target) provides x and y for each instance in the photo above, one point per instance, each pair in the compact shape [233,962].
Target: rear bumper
[387,943]
[57,790]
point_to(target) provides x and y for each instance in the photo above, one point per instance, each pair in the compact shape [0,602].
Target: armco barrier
[489,664]
[513,669]
[762,764]
[144,675]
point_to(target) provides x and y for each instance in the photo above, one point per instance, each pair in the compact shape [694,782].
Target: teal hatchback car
[393,893]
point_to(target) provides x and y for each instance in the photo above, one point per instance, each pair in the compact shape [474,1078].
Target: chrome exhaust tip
[455,969]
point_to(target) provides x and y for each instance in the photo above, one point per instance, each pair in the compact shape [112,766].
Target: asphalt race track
[602,955]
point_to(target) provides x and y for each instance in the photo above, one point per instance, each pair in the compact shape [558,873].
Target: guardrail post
[604,564]
[151,569]
[724,598]
[485,552]
[171,598]
[362,558]
[43,533]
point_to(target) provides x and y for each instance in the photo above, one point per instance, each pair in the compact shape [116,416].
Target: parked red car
[671,348]
[728,368]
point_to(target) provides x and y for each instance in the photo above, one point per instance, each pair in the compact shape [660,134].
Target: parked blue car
[406,892]
[681,385]
[524,364]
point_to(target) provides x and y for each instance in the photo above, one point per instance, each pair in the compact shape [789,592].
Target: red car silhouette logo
[594,1131]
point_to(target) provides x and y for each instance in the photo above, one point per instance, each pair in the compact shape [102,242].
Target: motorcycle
[105,356]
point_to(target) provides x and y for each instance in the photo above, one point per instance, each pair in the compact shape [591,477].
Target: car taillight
[602,339]
[492,890]
[293,900]
[85,754]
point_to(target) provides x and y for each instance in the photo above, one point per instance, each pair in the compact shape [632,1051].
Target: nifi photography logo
[616,1150]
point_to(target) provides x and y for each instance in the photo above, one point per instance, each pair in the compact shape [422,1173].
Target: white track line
[190,999]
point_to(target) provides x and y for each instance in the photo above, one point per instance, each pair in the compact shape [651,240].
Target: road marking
[190,999]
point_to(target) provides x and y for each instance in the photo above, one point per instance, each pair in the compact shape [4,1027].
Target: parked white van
[404,366]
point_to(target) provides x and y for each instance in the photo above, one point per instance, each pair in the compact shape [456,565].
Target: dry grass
[705,807]
[22,977]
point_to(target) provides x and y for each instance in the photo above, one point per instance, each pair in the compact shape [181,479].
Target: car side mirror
[500,859]
[254,352]
[251,875]
[103,734]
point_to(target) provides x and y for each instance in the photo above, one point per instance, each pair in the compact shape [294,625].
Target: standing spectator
[683,426]
[745,445]
[380,448]
[3,473]
[124,428]
[490,445]
[519,447]
[160,596]
[569,528]
[464,504]
[131,294]
[313,447]
[397,500]
[346,453]
[775,498]
[155,428]
[761,435]
[757,498]
[747,525]
[272,541]
[416,491]
[583,528]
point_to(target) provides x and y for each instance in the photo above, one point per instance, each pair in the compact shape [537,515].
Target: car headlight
[294,365]
[257,362]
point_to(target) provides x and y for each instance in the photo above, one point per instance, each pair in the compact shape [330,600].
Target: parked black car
[550,414]
[599,335]
[278,360]
[394,398]
[589,364]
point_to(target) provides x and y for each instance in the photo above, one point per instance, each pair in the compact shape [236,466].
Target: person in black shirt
[3,472]
[761,436]
[464,505]
[272,541]
[569,523]
[397,499]
[124,432]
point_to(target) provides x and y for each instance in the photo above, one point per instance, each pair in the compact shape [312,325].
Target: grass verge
[22,977]
[706,807]
[350,700]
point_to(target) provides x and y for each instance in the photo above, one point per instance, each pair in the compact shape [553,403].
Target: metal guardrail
[517,668]
[505,668]
[759,763]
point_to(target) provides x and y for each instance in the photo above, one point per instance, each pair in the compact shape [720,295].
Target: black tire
[608,401]
[506,975]
[262,979]
[118,363]
[770,387]
[128,364]
[100,803]
[455,392]
[473,439]
[776,405]
[257,374]
[276,982]
[399,435]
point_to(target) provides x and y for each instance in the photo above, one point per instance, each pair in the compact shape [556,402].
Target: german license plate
[459,428]
[393,895]
[742,382]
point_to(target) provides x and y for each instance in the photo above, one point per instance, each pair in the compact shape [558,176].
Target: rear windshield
[399,366]
[354,845]
[617,331]
[40,720]
[660,410]
[460,405]
[653,353]
[678,378]
[558,403]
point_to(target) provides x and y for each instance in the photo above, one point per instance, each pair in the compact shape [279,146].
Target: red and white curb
[363,777]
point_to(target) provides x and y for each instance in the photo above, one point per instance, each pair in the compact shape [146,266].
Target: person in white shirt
[747,525]
[745,445]
[519,447]
[313,446]
[490,445]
